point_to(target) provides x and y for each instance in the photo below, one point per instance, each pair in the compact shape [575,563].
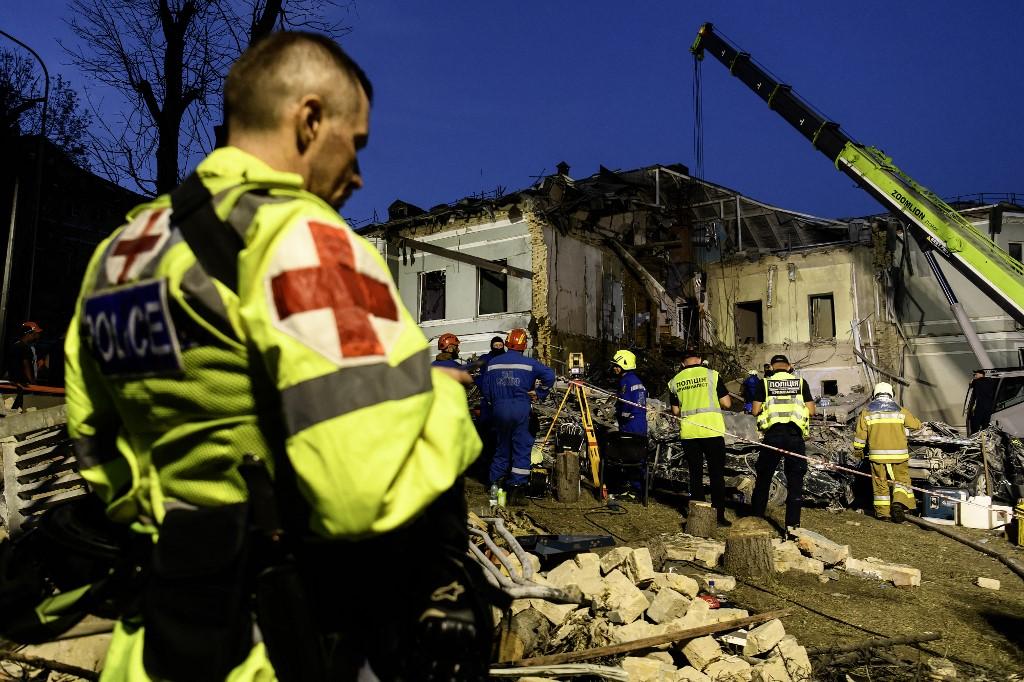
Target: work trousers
[899,474]
[513,443]
[713,450]
[795,468]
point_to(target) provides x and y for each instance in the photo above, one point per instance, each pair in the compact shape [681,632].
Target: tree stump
[522,635]
[701,520]
[749,554]
[567,476]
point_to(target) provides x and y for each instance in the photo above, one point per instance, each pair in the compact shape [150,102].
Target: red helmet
[446,341]
[30,326]
[516,339]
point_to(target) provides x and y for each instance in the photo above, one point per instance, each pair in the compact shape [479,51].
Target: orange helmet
[447,340]
[30,326]
[516,339]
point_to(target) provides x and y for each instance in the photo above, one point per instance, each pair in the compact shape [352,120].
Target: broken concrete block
[690,674]
[697,614]
[764,637]
[772,670]
[940,669]
[566,573]
[987,583]
[612,559]
[647,669]
[556,613]
[702,651]
[588,562]
[729,669]
[722,615]
[683,584]
[900,575]
[623,600]
[519,605]
[794,658]
[723,583]
[683,547]
[667,605]
[788,558]
[820,547]
[663,656]
[572,624]
[638,629]
[639,566]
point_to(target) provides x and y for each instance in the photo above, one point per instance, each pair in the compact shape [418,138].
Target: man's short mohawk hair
[249,90]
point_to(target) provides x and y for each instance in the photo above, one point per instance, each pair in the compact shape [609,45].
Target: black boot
[722,521]
[899,512]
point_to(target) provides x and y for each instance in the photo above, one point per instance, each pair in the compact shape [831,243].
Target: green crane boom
[934,224]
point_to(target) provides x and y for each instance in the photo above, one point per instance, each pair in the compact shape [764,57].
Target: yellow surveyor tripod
[576,388]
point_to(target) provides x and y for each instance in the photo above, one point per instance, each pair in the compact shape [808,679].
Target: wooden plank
[482,263]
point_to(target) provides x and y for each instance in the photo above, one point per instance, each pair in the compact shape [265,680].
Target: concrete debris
[638,629]
[701,652]
[639,566]
[565,574]
[793,657]
[556,613]
[668,605]
[723,583]
[940,669]
[697,614]
[683,547]
[569,573]
[820,547]
[612,559]
[663,656]
[772,670]
[719,615]
[647,669]
[764,637]
[690,674]
[789,558]
[589,562]
[621,599]
[683,584]
[987,583]
[900,575]
[730,669]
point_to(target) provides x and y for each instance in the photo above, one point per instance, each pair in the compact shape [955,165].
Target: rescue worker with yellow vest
[882,431]
[239,330]
[697,395]
[783,405]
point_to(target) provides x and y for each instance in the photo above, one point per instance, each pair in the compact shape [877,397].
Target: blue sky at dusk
[473,95]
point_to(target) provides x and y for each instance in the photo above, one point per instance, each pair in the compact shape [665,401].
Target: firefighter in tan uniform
[239,326]
[882,431]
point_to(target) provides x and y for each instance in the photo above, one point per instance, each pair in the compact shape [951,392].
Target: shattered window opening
[823,316]
[749,322]
[493,291]
[432,295]
[1015,250]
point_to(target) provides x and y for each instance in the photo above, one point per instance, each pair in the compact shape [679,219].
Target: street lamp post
[36,198]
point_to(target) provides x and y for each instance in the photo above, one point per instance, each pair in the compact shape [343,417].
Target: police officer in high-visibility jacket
[783,406]
[238,326]
[510,385]
[631,408]
[697,395]
[882,431]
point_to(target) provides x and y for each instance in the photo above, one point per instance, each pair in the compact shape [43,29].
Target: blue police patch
[131,333]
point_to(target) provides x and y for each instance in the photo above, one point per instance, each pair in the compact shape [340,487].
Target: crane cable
[810,460]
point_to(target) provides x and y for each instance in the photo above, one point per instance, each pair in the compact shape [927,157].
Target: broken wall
[809,302]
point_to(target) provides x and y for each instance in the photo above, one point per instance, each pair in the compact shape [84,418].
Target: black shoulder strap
[215,244]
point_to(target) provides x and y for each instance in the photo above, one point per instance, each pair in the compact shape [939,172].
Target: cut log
[567,476]
[700,520]
[524,634]
[750,555]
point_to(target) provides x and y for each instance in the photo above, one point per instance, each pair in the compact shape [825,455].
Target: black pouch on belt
[197,602]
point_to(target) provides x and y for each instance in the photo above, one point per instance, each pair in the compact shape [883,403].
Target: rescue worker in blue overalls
[631,412]
[510,386]
[448,345]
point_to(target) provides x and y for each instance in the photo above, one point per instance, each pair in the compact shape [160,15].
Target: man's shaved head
[280,69]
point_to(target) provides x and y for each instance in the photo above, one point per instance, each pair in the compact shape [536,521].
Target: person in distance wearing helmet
[447,358]
[632,408]
[750,390]
[510,386]
[882,431]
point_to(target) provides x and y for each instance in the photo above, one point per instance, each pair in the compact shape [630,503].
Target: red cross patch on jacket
[327,291]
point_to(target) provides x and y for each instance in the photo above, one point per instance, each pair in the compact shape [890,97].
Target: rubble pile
[629,600]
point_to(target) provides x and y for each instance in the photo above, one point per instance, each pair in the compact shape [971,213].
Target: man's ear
[308,120]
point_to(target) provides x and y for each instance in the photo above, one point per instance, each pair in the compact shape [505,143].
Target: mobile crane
[936,226]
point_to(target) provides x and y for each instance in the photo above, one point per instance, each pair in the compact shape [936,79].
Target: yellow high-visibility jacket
[696,388]
[881,428]
[172,376]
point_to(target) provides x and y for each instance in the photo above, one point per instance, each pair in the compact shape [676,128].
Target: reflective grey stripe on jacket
[713,405]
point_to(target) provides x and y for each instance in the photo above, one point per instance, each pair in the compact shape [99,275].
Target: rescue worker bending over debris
[238,330]
[749,390]
[697,394]
[448,345]
[783,406]
[882,431]
[510,386]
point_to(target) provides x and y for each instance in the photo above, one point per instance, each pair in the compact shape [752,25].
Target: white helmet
[883,388]
[752,372]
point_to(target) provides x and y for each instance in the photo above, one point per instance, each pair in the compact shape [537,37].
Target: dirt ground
[982,630]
